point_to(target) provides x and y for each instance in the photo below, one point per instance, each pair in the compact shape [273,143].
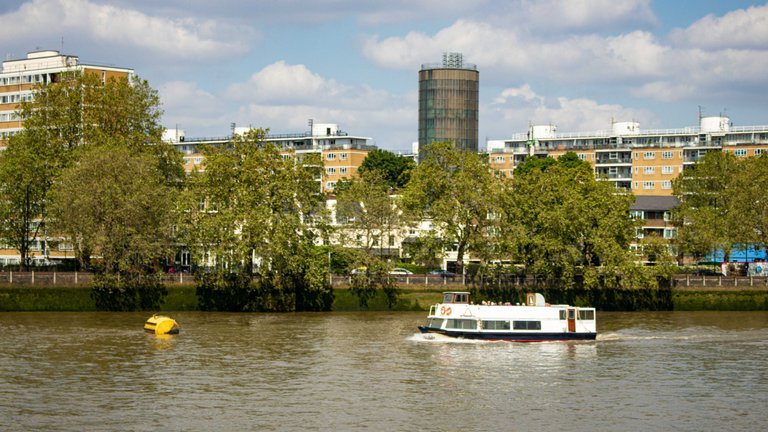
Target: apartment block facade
[642,161]
[18,79]
[342,153]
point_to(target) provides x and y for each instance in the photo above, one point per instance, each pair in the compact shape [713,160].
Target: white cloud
[514,108]
[574,15]
[284,83]
[741,29]
[282,97]
[187,105]
[120,27]
[524,92]
[577,59]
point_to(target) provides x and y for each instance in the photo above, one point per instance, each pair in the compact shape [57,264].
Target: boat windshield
[456,297]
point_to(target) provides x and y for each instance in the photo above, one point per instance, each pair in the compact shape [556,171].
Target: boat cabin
[462,297]
[456,297]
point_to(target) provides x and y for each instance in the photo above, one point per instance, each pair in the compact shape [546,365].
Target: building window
[667,170]
[666,184]
[582,156]
[741,152]
[667,155]
[499,159]
[330,156]
[343,170]
[649,170]
[670,233]
[649,185]
[198,160]
[649,155]
[343,156]
[330,171]
[758,151]
[636,214]
[330,185]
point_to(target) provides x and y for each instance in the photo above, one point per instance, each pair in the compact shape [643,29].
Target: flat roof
[654,203]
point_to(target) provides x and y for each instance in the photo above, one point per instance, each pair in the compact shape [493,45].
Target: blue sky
[577,64]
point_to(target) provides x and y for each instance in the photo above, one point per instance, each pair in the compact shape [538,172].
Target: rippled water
[647,371]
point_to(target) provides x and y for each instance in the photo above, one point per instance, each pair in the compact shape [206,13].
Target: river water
[684,371]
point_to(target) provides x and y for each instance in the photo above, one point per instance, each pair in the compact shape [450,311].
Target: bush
[126,293]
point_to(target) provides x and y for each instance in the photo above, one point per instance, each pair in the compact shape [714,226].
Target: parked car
[359,270]
[400,271]
[443,273]
[708,272]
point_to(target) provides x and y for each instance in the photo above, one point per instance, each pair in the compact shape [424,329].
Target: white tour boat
[536,320]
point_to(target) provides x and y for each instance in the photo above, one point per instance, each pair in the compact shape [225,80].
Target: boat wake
[438,338]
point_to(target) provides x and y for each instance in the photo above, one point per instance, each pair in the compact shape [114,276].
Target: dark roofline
[655,203]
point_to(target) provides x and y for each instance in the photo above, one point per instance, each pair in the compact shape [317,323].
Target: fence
[36,278]
[43,279]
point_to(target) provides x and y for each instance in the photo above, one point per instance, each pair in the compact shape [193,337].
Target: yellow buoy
[160,324]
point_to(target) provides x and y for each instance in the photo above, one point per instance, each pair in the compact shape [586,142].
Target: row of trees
[552,219]
[724,204]
[90,168]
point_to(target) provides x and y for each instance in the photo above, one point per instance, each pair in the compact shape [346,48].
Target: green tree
[256,213]
[560,222]
[706,218]
[750,201]
[369,222]
[23,187]
[395,169]
[117,205]
[533,163]
[74,112]
[457,191]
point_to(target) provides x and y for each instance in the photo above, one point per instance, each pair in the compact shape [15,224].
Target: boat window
[463,324]
[562,314]
[435,323]
[587,314]
[448,298]
[527,325]
[571,313]
[496,325]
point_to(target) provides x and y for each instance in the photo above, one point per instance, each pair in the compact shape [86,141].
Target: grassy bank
[720,299]
[183,298]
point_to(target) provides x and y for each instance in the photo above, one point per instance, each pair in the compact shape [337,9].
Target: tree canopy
[722,204]
[61,123]
[116,205]
[394,169]
[457,191]
[256,213]
[560,221]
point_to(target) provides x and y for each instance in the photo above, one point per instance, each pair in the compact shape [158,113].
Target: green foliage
[562,223]
[136,292]
[257,214]
[723,204]
[86,137]
[225,291]
[705,215]
[394,169]
[24,182]
[118,205]
[533,163]
[457,191]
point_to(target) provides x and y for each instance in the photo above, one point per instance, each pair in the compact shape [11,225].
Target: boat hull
[511,336]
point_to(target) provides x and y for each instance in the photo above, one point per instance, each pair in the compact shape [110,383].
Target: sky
[575,64]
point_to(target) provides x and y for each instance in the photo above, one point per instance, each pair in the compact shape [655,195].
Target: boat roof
[455,292]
